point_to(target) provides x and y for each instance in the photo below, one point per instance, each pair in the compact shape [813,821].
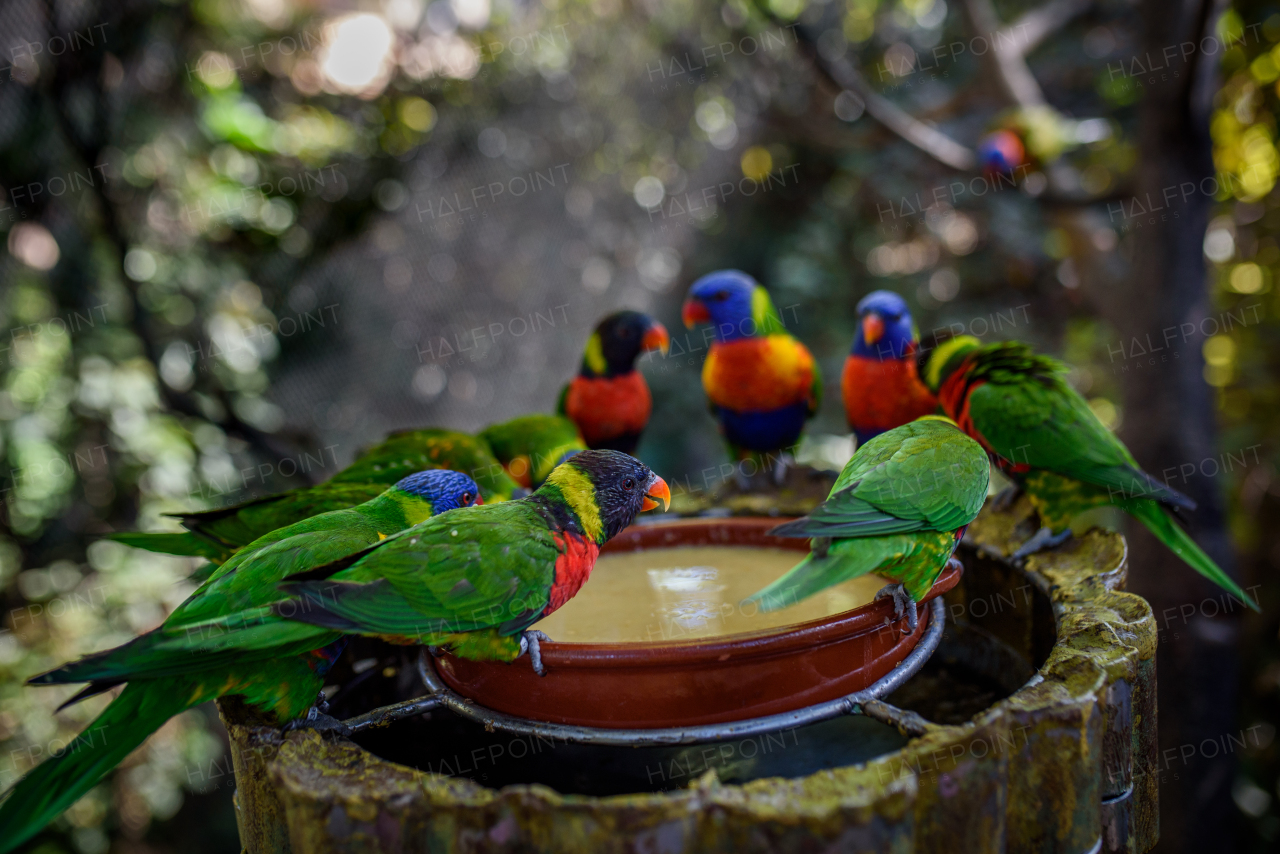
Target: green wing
[184,543]
[217,534]
[465,570]
[564,393]
[544,439]
[1042,422]
[530,434]
[227,620]
[922,476]
[251,577]
[241,524]
[914,559]
[402,454]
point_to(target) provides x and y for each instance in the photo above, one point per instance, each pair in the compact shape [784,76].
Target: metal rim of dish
[865,702]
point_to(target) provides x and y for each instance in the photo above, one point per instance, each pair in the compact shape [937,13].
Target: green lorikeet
[761,383]
[899,509]
[1044,436]
[411,450]
[216,534]
[609,400]
[530,446]
[192,657]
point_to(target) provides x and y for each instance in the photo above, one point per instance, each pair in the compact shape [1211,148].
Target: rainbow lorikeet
[193,657]
[1044,436]
[1032,137]
[880,382]
[899,509]
[1001,153]
[761,383]
[609,399]
[216,534]
[531,446]
[411,450]
[473,579]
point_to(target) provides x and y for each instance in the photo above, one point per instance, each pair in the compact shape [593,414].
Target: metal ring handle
[441,695]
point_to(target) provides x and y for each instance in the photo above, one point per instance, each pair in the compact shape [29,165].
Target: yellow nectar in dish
[690,592]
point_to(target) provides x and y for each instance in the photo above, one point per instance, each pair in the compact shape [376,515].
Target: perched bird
[761,383]
[530,446]
[476,582]
[881,386]
[609,399]
[899,509]
[1001,152]
[216,534]
[194,656]
[1044,436]
[411,450]
[1031,138]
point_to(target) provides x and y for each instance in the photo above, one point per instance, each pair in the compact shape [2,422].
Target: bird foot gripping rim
[866,702]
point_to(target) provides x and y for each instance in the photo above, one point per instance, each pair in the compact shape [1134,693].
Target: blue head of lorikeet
[880,383]
[727,299]
[885,328]
[445,489]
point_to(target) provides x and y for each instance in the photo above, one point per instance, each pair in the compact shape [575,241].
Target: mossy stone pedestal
[1039,748]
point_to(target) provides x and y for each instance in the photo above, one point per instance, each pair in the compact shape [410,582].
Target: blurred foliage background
[246,237]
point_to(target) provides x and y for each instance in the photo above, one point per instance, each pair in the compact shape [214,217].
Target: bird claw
[902,604]
[1040,540]
[780,471]
[531,642]
[317,719]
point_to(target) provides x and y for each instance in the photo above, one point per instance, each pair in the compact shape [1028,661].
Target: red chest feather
[573,568]
[607,407]
[883,394]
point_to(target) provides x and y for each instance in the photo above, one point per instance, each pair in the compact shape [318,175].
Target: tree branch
[1025,34]
[1011,70]
[930,140]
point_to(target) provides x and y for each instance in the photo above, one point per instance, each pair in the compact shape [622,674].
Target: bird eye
[629,484]
[720,296]
[467,498]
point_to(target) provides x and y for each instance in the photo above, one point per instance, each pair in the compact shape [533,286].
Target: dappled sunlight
[357,54]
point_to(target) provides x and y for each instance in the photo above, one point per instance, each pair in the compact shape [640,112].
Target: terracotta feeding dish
[682,648]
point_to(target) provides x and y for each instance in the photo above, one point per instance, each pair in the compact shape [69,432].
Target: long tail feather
[185,543]
[1167,531]
[93,689]
[61,780]
[175,651]
[820,570]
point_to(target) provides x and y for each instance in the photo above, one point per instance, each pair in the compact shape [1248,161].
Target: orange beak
[656,339]
[656,489]
[520,470]
[479,500]
[872,328]
[694,313]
